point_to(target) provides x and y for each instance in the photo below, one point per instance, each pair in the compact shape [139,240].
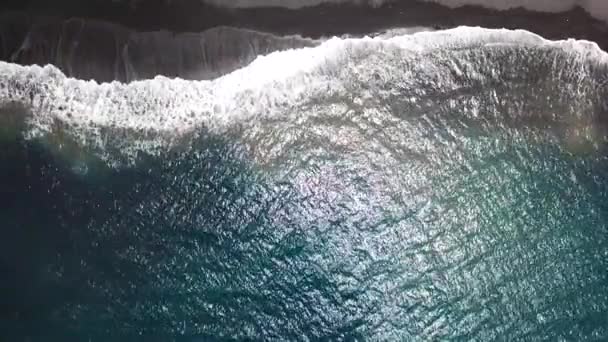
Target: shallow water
[454,194]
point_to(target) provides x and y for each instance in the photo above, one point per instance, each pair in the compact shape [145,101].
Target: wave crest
[119,121]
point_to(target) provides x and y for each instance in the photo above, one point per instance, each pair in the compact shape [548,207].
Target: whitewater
[160,112]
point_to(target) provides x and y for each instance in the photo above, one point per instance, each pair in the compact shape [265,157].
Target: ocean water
[445,185]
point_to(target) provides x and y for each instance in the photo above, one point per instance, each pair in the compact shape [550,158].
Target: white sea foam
[159,113]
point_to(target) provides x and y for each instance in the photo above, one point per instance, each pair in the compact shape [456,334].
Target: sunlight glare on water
[405,189]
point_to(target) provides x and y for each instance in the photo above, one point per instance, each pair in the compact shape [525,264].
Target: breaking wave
[430,186]
[159,114]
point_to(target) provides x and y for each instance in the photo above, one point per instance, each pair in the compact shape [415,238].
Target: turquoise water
[409,209]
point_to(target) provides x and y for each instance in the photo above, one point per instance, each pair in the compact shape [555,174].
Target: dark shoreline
[17,18]
[323,20]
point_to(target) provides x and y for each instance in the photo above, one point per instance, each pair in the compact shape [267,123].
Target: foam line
[157,114]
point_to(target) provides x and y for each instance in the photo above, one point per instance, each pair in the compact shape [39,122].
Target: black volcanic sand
[325,20]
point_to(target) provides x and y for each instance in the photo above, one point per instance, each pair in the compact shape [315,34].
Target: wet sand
[325,20]
[18,17]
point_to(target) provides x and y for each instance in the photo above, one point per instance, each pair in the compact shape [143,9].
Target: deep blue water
[478,213]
